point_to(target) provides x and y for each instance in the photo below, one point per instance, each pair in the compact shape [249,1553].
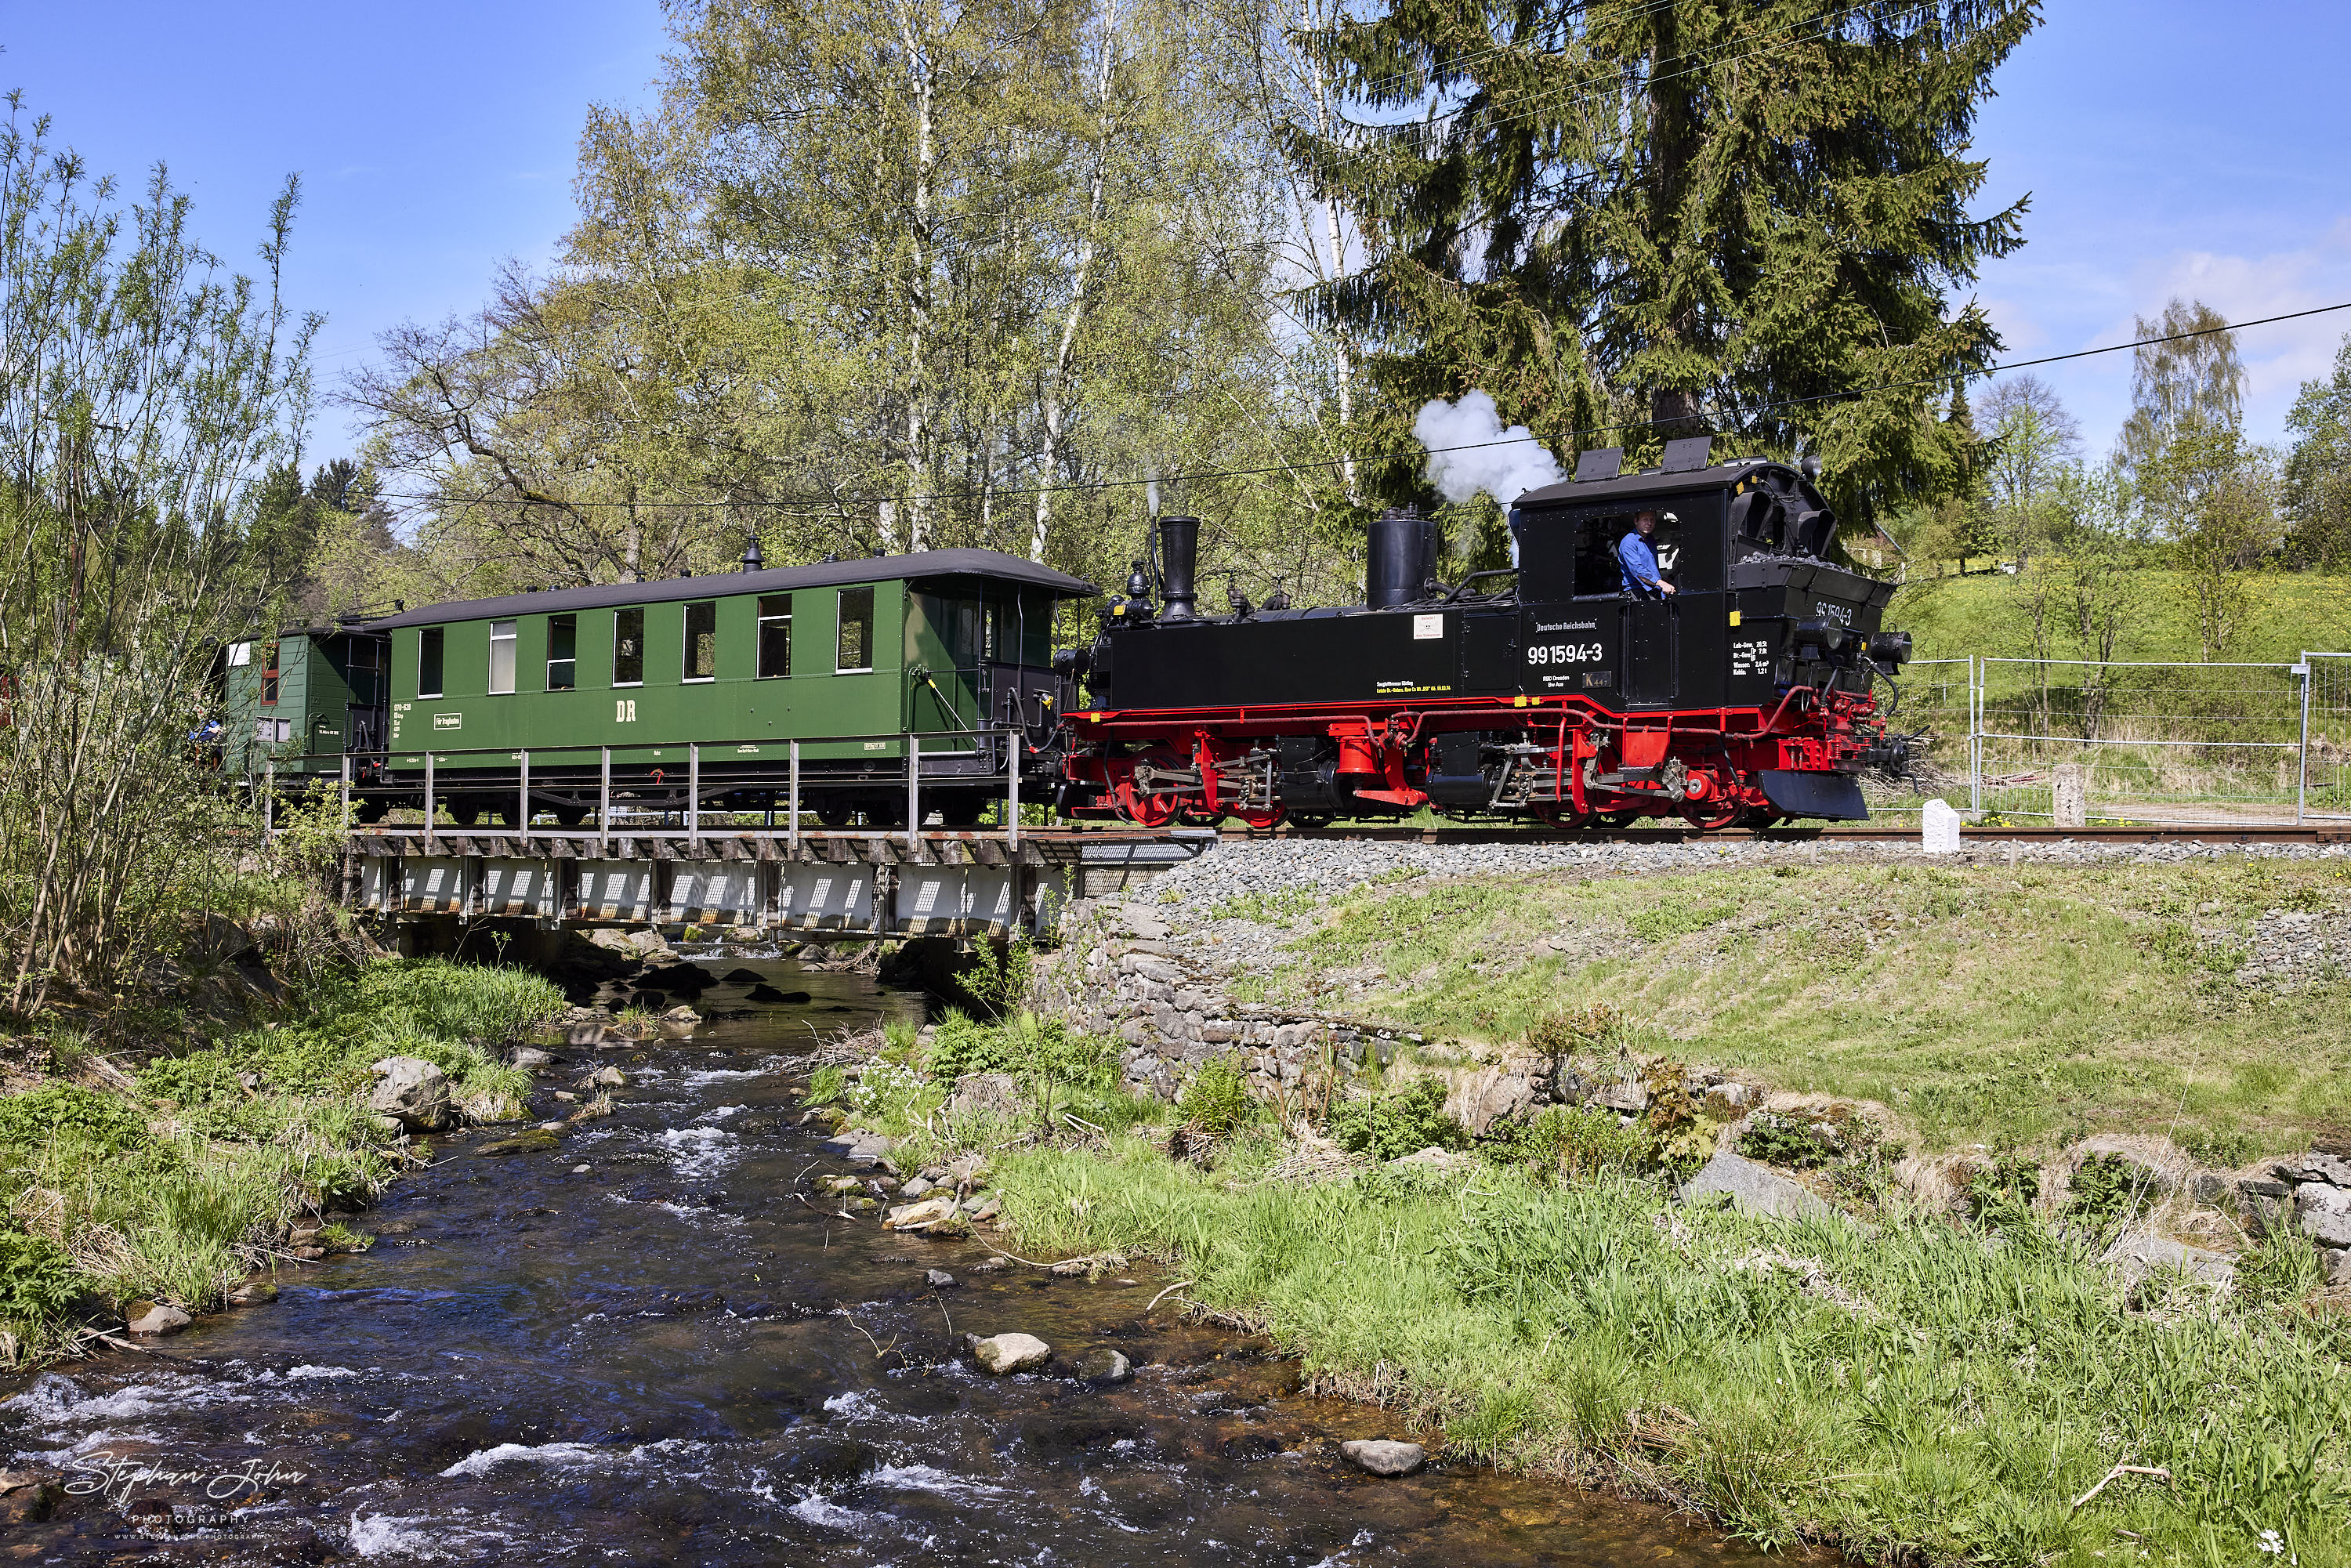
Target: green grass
[1951,617]
[1939,1394]
[1981,1003]
[175,1190]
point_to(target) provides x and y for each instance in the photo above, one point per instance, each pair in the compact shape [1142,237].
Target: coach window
[269,671]
[856,653]
[775,635]
[502,657]
[428,663]
[701,641]
[562,652]
[629,647]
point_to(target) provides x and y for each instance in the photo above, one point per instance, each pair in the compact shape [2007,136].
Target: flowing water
[667,1356]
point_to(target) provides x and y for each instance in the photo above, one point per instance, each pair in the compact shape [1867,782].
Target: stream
[643,1348]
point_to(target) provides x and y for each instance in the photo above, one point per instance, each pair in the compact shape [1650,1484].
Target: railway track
[2281,833]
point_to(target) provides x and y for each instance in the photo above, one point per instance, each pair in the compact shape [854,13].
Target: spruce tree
[1673,217]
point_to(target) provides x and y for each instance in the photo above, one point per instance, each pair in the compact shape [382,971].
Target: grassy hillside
[1951,617]
[2005,1005]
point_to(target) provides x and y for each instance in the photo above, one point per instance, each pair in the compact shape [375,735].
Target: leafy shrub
[195,1079]
[826,1085]
[1681,1138]
[1395,1125]
[1574,1140]
[1779,1140]
[1999,1194]
[1218,1099]
[2224,1146]
[1565,1030]
[962,1044]
[69,1113]
[2104,1186]
[37,1282]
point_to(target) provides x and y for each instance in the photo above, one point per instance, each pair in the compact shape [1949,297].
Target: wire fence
[2077,742]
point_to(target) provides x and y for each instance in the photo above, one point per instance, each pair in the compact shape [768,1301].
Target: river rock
[925,1215]
[1755,1188]
[414,1091]
[680,1014]
[840,1186]
[938,1279]
[1002,1355]
[2318,1167]
[917,1187]
[2137,1256]
[608,1078]
[530,1059]
[530,1141]
[157,1318]
[1384,1457]
[2339,1266]
[27,1496]
[743,977]
[1104,1366]
[254,1293]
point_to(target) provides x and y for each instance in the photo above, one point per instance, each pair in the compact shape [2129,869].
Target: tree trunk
[923,79]
[1058,375]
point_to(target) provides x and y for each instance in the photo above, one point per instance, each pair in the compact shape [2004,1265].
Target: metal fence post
[2301,778]
[694,794]
[522,796]
[604,805]
[270,797]
[792,830]
[428,800]
[347,788]
[1975,736]
[1012,790]
[913,790]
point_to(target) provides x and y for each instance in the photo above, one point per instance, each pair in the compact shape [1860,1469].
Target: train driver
[1639,557]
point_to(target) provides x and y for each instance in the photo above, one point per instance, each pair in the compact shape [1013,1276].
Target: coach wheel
[369,808]
[962,810]
[834,810]
[463,811]
[570,816]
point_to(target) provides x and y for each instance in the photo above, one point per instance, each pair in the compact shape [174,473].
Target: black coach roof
[828,574]
[1650,482]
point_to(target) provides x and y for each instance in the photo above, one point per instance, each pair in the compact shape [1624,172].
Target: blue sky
[2169,149]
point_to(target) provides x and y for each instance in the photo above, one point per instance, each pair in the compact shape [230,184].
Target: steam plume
[1471,427]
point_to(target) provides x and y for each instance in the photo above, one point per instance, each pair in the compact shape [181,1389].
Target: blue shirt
[1639,557]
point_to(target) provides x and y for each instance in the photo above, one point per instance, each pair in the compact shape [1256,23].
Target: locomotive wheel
[1309,821]
[1563,816]
[1263,821]
[1713,818]
[1149,809]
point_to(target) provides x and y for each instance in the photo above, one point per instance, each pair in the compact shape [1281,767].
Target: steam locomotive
[1545,691]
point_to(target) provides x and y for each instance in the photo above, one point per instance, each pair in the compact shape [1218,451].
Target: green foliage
[1940,1401]
[37,1282]
[962,1044]
[2104,1187]
[827,1085]
[1041,1048]
[67,1112]
[2223,1146]
[1783,1140]
[2001,1194]
[998,974]
[1218,1099]
[1575,1140]
[2282,1268]
[1390,1126]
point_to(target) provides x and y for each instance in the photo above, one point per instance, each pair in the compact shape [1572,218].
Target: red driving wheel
[1147,808]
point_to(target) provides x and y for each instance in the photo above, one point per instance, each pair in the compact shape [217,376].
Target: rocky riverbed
[646,1338]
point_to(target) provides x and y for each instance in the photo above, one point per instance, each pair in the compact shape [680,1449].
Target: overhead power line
[833,505]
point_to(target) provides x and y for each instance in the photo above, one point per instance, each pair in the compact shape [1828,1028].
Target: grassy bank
[1936,1391]
[172,1179]
[1951,617]
[2009,1006]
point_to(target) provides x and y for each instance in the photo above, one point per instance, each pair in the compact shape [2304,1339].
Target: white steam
[1468,451]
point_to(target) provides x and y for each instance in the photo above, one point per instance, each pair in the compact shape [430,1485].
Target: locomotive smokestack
[1179,551]
[1400,556]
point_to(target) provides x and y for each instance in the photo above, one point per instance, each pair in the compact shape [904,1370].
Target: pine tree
[1668,217]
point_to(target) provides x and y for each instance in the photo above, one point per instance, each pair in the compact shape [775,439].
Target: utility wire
[834,506]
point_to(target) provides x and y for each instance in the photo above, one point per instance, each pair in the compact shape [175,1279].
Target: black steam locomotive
[1546,690]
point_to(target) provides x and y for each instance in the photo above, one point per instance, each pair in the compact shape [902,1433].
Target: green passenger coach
[295,703]
[689,694]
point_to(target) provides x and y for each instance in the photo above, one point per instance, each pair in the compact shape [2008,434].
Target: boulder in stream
[743,977]
[529,1141]
[1103,1366]
[1381,1457]
[938,1279]
[1002,1355]
[413,1090]
[530,1059]
[156,1317]
[775,998]
[930,1215]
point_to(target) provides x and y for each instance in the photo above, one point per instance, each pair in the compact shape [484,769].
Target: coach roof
[782,580]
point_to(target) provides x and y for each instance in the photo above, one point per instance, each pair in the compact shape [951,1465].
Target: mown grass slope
[1984,1003]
